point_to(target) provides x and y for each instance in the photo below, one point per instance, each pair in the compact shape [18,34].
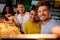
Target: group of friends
[37,21]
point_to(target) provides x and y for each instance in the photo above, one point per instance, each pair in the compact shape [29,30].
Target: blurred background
[55,6]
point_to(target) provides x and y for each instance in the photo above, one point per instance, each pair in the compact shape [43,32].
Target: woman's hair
[14,6]
[33,8]
[4,11]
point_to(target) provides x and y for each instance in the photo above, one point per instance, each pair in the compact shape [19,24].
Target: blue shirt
[46,29]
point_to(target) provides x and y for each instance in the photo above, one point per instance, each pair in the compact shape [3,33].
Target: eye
[39,11]
[31,14]
[35,14]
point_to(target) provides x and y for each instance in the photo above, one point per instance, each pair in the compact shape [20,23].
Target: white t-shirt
[23,19]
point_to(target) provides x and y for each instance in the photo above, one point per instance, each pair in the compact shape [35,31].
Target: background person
[23,15]
[15,11]
[6,10]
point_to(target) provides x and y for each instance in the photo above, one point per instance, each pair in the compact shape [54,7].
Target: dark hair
[33,8]
[20,3]
[47,3]
[14,6]
[4,11]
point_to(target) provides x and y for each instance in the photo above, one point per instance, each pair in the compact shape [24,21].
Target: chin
[42,19]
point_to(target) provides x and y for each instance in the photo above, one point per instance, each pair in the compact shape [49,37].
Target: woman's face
[15,10]
[32,15]
[7,9]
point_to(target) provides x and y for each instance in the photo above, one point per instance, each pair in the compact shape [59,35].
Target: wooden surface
[32,36]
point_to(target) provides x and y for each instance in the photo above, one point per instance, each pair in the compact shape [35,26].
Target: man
[44,15]
[23,15]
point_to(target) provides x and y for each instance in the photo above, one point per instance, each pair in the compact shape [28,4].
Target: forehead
[7,7]
[42,7]
[32,11]
[21,5]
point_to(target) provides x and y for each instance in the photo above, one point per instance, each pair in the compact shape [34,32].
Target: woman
[6,10]
[7,15]
[32,26]
[15,11]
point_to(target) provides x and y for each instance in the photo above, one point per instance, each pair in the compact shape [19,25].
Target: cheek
[47,14]
[14,10]
[7,10]
[30,16]
[38,14]
[18,9]
[22,9]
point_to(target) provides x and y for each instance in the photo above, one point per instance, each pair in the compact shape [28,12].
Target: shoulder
[27,13]
[54,22]
[18,16]
[26,23]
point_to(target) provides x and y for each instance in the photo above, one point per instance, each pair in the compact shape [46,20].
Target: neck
[7,12]
[16,12]
[32,21]
[46,21]
[22,13]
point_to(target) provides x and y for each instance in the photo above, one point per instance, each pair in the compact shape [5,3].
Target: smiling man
[44,15]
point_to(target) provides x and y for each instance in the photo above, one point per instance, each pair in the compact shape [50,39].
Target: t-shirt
[46,29]
[23,19]
[31,28]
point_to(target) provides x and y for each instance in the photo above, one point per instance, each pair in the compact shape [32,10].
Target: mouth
[42,16]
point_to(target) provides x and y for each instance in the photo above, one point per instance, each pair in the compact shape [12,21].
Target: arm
[56,30]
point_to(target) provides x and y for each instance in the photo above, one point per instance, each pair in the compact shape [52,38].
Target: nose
[42,13]
[33,16]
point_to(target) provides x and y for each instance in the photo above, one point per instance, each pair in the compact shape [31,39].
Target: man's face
[21,8]
[43,12]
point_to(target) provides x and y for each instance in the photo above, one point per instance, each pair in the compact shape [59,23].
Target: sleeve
[25,29]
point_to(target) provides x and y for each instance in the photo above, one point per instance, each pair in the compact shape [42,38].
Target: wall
[1,7]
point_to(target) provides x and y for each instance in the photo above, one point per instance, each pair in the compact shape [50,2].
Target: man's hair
[47,3]
[20,3]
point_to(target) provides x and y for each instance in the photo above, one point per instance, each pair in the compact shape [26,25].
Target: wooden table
[33,36]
